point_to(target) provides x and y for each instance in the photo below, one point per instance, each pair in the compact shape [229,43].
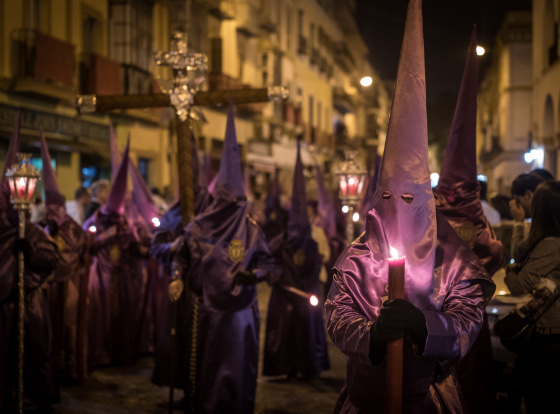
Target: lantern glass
[22,178]
[343,185]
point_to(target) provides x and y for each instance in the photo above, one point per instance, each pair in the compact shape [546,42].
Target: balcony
[302,46]
[43,64]
[342,101]
[100,75]
[315,58]
[552,54]
[323,64]
[260,147]
[343,58]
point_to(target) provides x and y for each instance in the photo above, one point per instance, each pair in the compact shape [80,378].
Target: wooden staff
[394,374]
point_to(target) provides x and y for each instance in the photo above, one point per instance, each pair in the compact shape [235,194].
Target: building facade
[51,50]
[505,105]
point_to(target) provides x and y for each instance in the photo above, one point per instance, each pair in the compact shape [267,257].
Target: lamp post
[22,178]
[351,183]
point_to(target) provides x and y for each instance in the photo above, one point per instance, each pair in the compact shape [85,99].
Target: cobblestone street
[129,390]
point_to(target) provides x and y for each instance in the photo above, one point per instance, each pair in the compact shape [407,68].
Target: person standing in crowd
[295,342]
[460,197]
[64,293]
[544,174]
[446,286]
[166,242]
[113,310]
[540,357]
[318,235]
[522,190]
[40,260]
[159,201]
[224,254]
[275,216]
[77,208]
[99,196]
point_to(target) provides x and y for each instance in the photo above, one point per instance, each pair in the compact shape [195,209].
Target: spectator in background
[99,196]
[545,174]
[318,235]
[501,204]
[37,212]
[522,190]
[77,208]
[492,215]
[159,201]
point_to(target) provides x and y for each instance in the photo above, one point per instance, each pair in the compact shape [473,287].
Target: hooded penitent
[458,192]
[114,292]
[169,230]
[276,217]
[39,382]
[63,294]
[458,199]
[326,217]
[223,241]
[295,338]
[443,278]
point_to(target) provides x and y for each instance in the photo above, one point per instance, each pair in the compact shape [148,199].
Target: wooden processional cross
[182,94]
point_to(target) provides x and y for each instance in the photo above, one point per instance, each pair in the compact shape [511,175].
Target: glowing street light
[480,51]
[366,81]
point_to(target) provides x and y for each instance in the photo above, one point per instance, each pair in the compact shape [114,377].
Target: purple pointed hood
[326,217]
[116,156]
[53,198]
[142,197]
[458,192]
[459,164]
[11,158]
[298,211]
[229,184]
[207,167]
[403,207]
[115,203]
[272,201]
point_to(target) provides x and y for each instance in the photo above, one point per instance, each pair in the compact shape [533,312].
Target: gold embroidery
[467,232]
[299,257]
[60,243]
[115,253]
[236,250]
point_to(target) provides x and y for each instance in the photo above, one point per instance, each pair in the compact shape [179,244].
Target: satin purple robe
[113,311]
[40,386]
[453,308]
[64,295]
[223,241]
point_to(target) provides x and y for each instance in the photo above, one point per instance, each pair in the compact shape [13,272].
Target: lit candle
[395,348]
[352,186]
[21,188]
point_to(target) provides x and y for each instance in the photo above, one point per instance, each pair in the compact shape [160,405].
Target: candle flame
[313,300]
[92,229]
[155,222]
[394,252]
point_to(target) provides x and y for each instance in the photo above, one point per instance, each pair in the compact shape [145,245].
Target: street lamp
[351,183]
[22,179]
[366,81]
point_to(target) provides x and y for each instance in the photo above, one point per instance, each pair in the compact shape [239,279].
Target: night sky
[447,30]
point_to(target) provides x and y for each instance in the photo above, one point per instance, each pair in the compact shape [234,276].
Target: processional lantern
[22,179]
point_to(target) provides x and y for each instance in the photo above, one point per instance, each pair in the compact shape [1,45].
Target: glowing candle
[395,348]
[353,186]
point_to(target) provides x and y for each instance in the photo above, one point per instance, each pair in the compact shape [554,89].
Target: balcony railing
[42,57]
[302,46]
[315,58]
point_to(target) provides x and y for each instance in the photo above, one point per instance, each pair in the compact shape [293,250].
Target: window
[265,69]
[312,35]
[311,103]
[300,23]
[37,15]
[288,29]
[319,113]
[131,32]
[144,168]
[90,34]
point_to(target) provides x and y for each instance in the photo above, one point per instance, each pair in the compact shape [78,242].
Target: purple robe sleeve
[264,264]
[43,258]
[451,331]
[160,247]
[348,328]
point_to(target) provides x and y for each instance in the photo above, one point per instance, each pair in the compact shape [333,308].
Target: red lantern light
[22,179]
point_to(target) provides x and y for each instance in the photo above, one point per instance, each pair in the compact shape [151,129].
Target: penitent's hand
[175,290]
[517,211]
